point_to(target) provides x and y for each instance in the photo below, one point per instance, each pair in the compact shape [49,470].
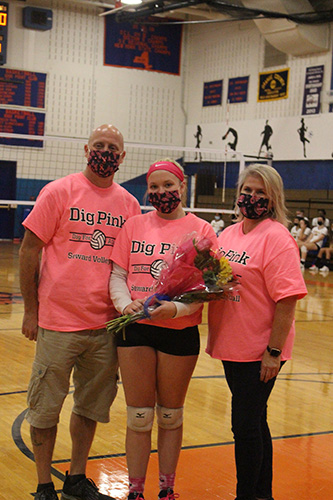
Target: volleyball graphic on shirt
[97,240]
[156,267]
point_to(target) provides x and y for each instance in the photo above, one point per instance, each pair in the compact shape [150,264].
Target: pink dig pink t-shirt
[78,222]
[267,264]
[144,244]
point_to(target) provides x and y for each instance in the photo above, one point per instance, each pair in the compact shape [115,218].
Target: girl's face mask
[165,202]
[252,207]
[104,163]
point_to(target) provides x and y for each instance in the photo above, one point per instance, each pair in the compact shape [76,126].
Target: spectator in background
[321,213]
[316,240]
[217,224]
[300,213]
[295,229]
[304,233]
[322,262]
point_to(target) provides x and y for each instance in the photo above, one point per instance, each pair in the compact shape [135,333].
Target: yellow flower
[225,273]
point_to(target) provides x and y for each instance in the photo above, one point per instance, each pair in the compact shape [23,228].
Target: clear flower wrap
[196,273]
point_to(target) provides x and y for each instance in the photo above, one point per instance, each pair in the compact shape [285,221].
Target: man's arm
[29,277]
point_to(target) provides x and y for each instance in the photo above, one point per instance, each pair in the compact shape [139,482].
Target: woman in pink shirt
[158,355]
[253,334]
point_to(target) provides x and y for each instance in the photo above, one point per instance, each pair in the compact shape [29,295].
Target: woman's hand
[270,367]
[134,307]
[167,310]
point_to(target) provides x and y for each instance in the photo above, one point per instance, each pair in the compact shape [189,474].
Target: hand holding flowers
[195,274]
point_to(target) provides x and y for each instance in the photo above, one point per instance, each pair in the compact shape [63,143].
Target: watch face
[275,352]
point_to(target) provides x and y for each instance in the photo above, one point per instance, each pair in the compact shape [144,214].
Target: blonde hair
[184,195]
[274,189]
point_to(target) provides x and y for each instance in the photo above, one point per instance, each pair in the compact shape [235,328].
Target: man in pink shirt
[73,225]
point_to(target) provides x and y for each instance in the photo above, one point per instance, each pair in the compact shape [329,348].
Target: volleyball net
[28,164]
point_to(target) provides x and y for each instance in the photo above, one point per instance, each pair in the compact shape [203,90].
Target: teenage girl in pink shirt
[158,355]
[253,334]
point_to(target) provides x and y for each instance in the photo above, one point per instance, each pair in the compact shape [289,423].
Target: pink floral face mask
[252,207]
[103,163]
[165,202]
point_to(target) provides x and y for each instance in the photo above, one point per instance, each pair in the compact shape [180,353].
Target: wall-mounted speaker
[37,18]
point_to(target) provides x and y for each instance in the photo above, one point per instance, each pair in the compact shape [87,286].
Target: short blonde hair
[273,186]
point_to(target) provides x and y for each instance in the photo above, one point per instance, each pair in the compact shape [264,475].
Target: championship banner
[238,89]
[212,95]
[312,89]
[16,121]
[22,88]
[147,47]
[273,85]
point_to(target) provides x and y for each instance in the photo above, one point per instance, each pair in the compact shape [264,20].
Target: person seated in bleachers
[295,229]
[315,242]
[300,231]
[217,224]
[300,213]
[304,233]
[322,213]
[322,262]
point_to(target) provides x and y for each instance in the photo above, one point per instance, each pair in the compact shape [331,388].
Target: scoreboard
[3,32]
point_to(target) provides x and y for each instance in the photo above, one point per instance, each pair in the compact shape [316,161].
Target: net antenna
[225,156]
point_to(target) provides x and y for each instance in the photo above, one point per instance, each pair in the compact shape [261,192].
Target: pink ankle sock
[167,481]
[136,484]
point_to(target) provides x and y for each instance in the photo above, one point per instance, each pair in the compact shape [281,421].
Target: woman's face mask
[104,163]
[252,207]
[165,202]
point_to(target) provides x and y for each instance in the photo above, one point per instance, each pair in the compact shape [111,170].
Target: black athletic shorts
[184,342]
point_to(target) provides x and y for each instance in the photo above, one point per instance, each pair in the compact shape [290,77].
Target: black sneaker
[47,494]
[168,494]
[85,489]
[135,496]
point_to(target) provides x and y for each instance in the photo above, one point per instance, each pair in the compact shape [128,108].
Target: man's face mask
[252,207]
[165,202]
[104,163]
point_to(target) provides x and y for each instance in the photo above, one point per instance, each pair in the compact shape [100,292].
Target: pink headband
[168,166]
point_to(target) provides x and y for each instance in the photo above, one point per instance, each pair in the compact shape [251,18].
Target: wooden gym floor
[300,413]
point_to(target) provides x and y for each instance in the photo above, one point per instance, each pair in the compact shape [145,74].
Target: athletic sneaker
[85,489]
[168,494]
[302,267]
[47,494]
[313,268]
[135,496]
[324,269]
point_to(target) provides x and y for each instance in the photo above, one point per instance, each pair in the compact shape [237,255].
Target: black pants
[253,442]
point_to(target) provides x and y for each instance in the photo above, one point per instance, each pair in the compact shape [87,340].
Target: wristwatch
[274,351]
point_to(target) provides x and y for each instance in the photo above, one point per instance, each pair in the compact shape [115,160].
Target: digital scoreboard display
[3,32]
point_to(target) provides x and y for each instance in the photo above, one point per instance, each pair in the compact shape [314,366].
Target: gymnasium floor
[300,413]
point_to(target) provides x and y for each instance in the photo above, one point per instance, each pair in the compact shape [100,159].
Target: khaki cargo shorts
[91,356]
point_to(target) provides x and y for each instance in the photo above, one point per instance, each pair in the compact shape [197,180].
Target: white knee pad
[169,418]
[140,419]
[303,248]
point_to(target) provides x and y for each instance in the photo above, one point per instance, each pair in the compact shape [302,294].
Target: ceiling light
[131,2]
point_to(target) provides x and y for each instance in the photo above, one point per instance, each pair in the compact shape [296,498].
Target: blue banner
[238,89]
[212,95]
[14,121]
[312,89]
[148,47]
[22,88]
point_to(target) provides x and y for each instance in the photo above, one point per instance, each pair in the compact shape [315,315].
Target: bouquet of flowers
[196,273]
